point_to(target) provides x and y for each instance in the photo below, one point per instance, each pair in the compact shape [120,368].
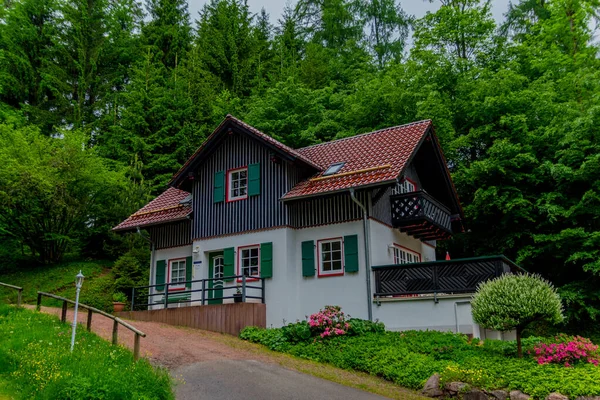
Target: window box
[249,262]
[237,184]
[177,274]
[330,255]
[403,255]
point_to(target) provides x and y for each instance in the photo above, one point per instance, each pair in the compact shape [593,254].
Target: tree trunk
[519,348]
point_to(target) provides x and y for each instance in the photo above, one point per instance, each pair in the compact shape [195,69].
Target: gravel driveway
[215,366]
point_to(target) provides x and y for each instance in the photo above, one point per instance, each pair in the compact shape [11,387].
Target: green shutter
[228,263]
[219,187]
[161,267]
[253,179]
[188,272]
[351,253]
[308,258]
[266,260]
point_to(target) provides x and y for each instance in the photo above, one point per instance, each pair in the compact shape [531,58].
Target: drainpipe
[367,252]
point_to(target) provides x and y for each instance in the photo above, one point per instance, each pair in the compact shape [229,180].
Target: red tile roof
[165,208]
[370,158]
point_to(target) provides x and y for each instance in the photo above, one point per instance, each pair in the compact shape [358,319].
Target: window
[249,261]
[238,184]
[406,186]
[334,168]
[405,256]
[330,257]
[177,272]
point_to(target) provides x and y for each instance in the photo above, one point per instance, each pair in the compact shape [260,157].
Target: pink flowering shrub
[569,352]
[328,322]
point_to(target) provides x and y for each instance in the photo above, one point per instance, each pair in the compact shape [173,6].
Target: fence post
[39,302]
[136,347]
[204,291]
[166,296]
[115,332]
[132,298]
[19,297]
[63,315]
[89,320]
[243,288]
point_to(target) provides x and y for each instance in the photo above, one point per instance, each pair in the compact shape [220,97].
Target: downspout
[367,238]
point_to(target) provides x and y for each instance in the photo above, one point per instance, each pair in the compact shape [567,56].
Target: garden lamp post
[78,283]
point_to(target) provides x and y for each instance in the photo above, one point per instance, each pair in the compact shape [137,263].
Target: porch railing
[434,277]
[166,296]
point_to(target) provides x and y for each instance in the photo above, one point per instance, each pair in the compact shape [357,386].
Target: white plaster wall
[382,237]
[422,313]
[313,293]
[166,254]
[278,289]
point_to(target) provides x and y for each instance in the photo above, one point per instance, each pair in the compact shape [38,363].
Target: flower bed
[410,358]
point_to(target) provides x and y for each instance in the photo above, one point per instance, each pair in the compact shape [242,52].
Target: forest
[101,101]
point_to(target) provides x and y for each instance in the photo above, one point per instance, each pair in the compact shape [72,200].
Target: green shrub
[35,360]
[511,302]
[297,332]
[360,327]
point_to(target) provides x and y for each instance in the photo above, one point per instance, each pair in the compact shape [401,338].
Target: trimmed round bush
[511,302]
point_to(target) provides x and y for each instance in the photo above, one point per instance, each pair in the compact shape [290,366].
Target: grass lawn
[60,279]
[410,358]
[35,363]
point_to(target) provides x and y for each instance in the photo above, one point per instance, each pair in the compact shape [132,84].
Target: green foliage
[514,301]
[410,358]
[35,357]
[59,279]
[119,297]
[131,269]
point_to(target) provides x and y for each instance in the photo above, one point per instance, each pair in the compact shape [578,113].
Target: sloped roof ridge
[274,141]
[364,134]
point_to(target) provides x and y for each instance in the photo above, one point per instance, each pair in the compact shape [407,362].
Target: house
[352,222]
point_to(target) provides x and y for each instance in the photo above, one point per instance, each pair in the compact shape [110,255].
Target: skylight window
[334,168]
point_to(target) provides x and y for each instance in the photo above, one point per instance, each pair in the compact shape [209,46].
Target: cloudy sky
[414,7]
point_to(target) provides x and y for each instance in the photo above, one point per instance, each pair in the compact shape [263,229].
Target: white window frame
[177,285]
[230,181]
[402,255]
[406,186]
[242,257]
[321,252]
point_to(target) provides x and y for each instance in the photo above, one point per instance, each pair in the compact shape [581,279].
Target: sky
[412,7]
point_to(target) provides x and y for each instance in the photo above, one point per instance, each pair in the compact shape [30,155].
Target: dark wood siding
[171,235]
[326,210]
[256,212]
[382,209]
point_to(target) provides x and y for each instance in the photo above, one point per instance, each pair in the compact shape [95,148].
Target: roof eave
[143,226]
[367,186]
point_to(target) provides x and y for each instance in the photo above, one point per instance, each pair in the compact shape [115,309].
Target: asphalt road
[255,380]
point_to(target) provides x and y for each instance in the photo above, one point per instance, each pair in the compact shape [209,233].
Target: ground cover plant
[59,279]
[409,358]
[35,363]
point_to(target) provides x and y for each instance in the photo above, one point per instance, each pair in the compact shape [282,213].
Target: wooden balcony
[421,216]
[439,277]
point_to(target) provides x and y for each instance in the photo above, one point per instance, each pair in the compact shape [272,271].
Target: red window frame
[228,199]
[325,274]
[406,249]
[239,263]
[176,288]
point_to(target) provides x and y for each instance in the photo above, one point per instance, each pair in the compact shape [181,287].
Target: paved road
[255,380]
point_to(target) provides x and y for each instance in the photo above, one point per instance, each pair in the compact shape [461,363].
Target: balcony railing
[421,216]
[448,276]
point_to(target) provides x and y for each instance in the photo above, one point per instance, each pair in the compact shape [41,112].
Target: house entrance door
[215,271]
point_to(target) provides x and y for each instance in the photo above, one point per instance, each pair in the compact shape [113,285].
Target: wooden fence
[18,289]
[90,310]
[226,318]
